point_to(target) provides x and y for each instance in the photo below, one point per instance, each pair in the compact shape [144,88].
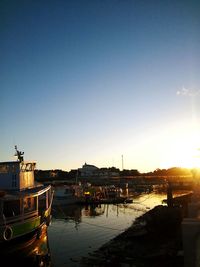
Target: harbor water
[77,230]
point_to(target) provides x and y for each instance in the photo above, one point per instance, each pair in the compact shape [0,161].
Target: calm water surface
[77,230]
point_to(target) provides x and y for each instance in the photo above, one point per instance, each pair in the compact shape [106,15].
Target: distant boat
[25,206]
[64,195]
[102,195]
[88,194]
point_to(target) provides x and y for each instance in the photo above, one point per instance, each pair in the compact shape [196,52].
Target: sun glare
[183,151]
[183,157]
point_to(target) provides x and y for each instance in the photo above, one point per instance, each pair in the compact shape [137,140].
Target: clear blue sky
[90,81]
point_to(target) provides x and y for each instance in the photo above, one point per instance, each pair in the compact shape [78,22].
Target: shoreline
[154,239]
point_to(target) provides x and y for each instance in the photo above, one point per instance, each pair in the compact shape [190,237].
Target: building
[88,170]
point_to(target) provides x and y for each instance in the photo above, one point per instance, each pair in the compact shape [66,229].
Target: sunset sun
[182,150]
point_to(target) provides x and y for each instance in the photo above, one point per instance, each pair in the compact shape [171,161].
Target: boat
[64,195]
[102,195]
[25,205]
[88,194]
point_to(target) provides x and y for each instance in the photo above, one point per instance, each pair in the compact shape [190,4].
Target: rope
[100,226]
[150,196]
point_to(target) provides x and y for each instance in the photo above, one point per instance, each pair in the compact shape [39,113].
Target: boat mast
[19,154]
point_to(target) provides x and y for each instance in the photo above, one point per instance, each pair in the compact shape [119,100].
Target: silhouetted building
[88,170]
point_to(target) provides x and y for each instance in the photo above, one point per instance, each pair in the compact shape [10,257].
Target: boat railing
[19,218]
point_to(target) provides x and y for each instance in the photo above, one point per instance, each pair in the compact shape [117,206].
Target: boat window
[14,180]
[30,204]
[42,202]
[11,208]
[14,168]
[49,197]
[27,166]
[4,168]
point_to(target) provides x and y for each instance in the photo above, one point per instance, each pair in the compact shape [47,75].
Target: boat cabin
[16,175]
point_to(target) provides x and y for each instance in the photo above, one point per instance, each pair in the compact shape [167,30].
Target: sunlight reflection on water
[77,230]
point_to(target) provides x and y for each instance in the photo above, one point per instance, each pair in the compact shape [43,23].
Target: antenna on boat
[19,154]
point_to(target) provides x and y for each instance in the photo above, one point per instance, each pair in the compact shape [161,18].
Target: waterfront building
[88,170]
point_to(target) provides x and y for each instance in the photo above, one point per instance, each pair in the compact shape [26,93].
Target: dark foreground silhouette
[153,240]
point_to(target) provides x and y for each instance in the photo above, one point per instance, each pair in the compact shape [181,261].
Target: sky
[106,82]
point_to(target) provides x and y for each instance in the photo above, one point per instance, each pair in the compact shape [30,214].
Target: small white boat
[25,206]
[64,195]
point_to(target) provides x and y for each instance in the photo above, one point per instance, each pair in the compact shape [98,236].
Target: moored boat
[88,194]
[64,195]
[102,195]
[25,205]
